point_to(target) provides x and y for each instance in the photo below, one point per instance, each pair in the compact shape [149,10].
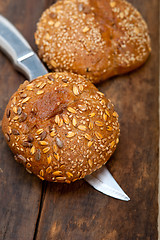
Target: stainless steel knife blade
[19,51]
[26,61]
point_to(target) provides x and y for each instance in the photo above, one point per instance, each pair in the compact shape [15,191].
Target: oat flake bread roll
[60,127]
[97,39]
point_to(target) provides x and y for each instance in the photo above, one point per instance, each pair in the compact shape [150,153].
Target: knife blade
[26,61]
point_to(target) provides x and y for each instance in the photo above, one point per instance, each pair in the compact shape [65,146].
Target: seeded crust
[60,127]
[97,39]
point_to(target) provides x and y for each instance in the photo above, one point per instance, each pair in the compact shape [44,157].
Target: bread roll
[97,39]
[60,127]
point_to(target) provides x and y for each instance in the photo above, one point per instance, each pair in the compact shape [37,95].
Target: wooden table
[32,209]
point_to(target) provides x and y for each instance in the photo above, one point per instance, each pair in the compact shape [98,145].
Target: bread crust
[60,127]
[97,39]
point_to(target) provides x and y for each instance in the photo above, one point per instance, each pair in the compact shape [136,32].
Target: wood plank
[20,193]
[77,211]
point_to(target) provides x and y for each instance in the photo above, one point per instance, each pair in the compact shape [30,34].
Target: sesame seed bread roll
[97,39]
[60,127]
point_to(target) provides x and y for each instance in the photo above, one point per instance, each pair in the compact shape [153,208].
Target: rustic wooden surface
[30,209]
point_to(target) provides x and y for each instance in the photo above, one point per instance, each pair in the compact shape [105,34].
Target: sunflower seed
[30,138]
[109,105]
[59,142]
[38,155]
[80,7]
[8,113]
[7,137]
[43,135]
[65,80]
[21,158]
[23,117]
[53,15]
[15,131]
[19,110]
[86,10]
[26,144]
[50,77]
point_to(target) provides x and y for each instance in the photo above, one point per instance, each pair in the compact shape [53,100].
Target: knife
[26,61]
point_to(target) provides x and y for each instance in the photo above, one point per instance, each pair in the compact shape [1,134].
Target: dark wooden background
[30,209]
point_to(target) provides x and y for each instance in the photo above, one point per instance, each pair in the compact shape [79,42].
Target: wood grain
[20,193]
[77,211]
